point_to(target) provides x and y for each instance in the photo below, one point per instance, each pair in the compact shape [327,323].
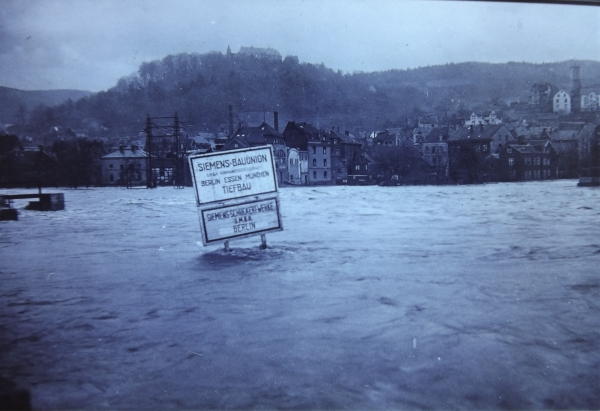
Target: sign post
[236,194]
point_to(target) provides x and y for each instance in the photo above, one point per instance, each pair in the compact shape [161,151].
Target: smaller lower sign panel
[240,220]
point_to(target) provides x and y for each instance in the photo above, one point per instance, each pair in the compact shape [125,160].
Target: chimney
[347,132]
[122,149]
[230,120]
[133,148]
[276,121]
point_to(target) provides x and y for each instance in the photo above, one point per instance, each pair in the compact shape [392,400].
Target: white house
[475,120]
[590,102]
[561,103]
[126,166]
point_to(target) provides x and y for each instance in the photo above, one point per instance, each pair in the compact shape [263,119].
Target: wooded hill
[16,103]
[199,87]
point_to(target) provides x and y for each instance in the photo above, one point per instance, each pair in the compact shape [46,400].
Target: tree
[78,161]
[400,160]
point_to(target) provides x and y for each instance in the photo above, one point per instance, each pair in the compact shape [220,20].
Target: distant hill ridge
[199,87]
[11,98]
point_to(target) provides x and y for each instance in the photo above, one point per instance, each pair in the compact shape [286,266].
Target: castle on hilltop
[260,53]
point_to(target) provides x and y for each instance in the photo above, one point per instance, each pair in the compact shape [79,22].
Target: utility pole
[178,154]
[172,138]
[148,130]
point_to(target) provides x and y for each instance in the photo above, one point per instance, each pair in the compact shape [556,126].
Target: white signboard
[233,174]
[240,220]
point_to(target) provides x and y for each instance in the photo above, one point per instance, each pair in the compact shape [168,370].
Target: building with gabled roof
[345,147]
[561,102]
[126,166]
[262,135]
[491,119]
[434,151]
[499,135]
[523,162]
[469,156]
[297,135]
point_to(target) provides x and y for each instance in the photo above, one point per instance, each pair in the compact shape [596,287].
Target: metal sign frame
[227,161]
[231,214]
[229,210]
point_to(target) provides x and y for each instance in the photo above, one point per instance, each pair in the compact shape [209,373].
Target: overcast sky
[89,45]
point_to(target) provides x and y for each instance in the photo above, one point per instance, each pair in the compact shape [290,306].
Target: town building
[469,157]
[561,102]
[261,53]
[541,95]
[362,171]
[524,162]
[315,150]
[344,145]
[392,137]
[297,166]
[76,133]
[589,158]
[319,162]
[126,167]
[590,102]
[200,142]
[434,151]
[499,135]
[491,119]
[264,134]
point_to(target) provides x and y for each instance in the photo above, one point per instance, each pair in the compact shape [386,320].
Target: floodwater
[454,297]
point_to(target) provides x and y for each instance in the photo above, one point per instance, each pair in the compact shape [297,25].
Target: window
[314,149]
[314,162]
[485,147]
[511,161]
[527,161]
[291,161]
[324,150]
[324,174]
[314,174]
[111,177]
[122,166]
[337,151]
[324,162]
[357,168]
[509,150]
[110,166]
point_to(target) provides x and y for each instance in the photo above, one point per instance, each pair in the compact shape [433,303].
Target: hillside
[199,87]
[13,98]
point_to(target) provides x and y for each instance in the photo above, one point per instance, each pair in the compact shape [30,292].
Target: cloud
[91,44]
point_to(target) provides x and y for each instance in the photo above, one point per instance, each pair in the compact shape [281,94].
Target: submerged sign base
[249,218]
